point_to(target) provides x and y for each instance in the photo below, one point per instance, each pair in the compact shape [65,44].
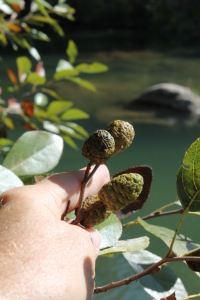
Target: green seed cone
[99,147]
[121,190]
[94,212]
[123,133]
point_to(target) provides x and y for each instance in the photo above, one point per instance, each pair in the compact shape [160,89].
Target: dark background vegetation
[158,24]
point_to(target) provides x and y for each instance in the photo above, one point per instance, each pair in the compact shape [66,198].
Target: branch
[155,215]
[86,179]
[150,270]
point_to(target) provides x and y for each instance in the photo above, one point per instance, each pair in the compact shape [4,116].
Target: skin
[42,257]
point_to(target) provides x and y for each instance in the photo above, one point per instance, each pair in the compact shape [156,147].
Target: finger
[65,186]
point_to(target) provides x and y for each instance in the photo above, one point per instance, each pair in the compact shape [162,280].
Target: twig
[156,214]
[179,224]
[191,297]
[86,179]
[152,269]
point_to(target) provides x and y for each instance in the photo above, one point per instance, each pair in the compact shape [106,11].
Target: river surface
[159,145]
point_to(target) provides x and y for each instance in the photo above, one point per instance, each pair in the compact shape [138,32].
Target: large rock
[171,96]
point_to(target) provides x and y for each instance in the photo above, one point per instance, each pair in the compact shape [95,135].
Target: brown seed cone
[99,147]
[123,133]
[121,190]
[94,212]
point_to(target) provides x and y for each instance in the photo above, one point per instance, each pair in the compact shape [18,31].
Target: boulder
[169,95]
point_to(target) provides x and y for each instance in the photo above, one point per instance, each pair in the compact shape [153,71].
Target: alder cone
[94,212]
[99,147]
[121,190]
[123,134]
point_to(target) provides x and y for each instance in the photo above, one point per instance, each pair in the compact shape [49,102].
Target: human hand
[42,257]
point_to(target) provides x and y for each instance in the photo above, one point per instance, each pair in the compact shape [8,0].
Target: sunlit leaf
[64,65]
[65,74]
[146,173]
[188,179]
[23,64]
[12,76]
[5,142]
[57,107]
[74,113]
[130,245]
[182,244]
[72,51]
[34,78]
[84,83]
[69,131]
[6,9]
[36,34]
[78,128]
[35,152]
[34,53]
[95,67]
[8,180]
[110,230]
[40,99]
[158,285]
[50,127]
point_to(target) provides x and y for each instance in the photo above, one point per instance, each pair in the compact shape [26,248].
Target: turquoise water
[161,147]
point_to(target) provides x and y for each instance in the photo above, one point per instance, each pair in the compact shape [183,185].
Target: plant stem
[191,297]
[179,224]
[152,269]
[86,179]
[155,214]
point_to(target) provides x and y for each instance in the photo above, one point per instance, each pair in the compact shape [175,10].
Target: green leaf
[8,180]
[182,244]
[35,79]
[35,152]
[84,83]
[110,230]
[65,74]
[57,107]
[95,67]
[159,285]
[72,51]
[131,245]
[51,93]
[68,140]
[78,128]
[5,142]
[74,113]
[8,122]
[23,64]
[41,99]
[43,19]
[69,131]
[188,179]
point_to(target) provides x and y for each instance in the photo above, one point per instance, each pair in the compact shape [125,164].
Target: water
[161,147]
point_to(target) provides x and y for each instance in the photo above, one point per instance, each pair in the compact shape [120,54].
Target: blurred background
[143,43]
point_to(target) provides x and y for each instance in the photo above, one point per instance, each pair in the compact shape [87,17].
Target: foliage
[33,101]
[152,272]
